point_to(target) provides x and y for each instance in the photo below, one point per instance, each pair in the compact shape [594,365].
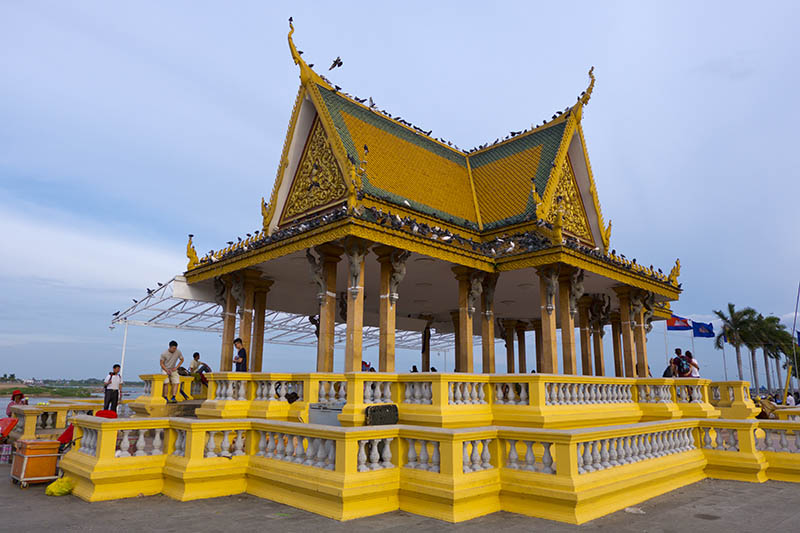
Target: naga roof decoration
[361,163]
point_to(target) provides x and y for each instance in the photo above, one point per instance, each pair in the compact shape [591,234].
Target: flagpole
[666,346]
[794,333]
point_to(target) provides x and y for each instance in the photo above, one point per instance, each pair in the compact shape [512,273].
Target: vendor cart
[35,461]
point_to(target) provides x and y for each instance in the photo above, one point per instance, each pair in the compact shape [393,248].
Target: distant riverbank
[57,392]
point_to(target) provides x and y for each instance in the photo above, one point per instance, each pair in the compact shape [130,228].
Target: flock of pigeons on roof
[506,245]
[370,104]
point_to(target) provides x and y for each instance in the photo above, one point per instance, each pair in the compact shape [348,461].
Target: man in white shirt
[790,400]
[113,388]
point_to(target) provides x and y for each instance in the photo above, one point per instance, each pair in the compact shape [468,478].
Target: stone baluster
[523,393]
[284,388]
[498,394]
[547,459]
[341,395]
[435,457]
[323,393]
[271,446]
[374,455]
[465,458]
[262,444]
[238,444]
[140,443]
[422,464]
[180,443]
[486,456]
[330,458]
[211,444]
[362,456]
[322,454]
[311,451]
[530,457]
[513,458]
[288,454]
[158,442]
[367,392]
[280,447]
[386,453]
[225,445]
[476,456]
[411,461]
[408,392]
[125,444]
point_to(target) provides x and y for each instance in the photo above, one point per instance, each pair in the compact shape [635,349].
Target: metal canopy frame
[162,309]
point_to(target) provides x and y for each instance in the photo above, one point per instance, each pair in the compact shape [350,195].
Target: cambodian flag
[702,330]
[677,323]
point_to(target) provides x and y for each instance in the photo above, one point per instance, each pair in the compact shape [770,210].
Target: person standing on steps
[171,359]
[240,359]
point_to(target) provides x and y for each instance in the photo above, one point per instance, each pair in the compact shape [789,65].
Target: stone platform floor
[707,506]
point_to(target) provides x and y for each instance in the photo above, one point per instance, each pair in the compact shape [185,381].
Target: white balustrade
[527,460]
[689,393]
[422,455]
[716,397]
[476,455]
[374,454]
[277,390]
[511,394]
[725,439]
[230,390]
[587,393]
[417,392]
[299,449]
[332,392]
[778,440]
[148,387]
[88,441]
[466,393]
[139,442]
[377,392]
[655,393]
[601,454]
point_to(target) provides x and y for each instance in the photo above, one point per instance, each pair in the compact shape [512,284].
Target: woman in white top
[695,366]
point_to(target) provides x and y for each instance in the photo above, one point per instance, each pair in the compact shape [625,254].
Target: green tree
[734,328]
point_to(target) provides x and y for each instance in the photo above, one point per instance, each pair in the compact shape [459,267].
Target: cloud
[50,247]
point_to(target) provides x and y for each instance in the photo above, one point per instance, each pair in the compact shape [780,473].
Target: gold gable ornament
[569,203]
[191,254]
[318,182]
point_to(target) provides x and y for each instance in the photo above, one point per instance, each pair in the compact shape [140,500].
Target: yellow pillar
[509,326]
[329,256]
[537,333]
[387,307]
[628,355]
[615,332]
[259,309]
[228,329]
[640,336]
[465,311]
[585,334]
[487,323]
[356,250]
[249,281]
[567,322]
[597,341]
[523,363]
[548,284]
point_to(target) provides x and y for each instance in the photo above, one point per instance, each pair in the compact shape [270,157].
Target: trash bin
[35,461]
[326,414]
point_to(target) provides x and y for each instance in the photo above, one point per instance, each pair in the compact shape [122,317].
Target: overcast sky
[126,125]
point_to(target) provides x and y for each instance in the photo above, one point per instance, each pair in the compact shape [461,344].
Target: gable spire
[307,74]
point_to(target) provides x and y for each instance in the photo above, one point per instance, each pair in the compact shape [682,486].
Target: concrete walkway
[707,506]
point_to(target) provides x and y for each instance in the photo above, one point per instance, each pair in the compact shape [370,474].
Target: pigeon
[290,20]
[135,300]
[371,103]
[311,65]
[366,149]
[230,243]
[336,63]
[115,314]
[149,291]
[160,284]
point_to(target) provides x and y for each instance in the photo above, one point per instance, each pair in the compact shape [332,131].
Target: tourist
[240,359]
[197,368]
[679,366]
[694,370]
[171,359]
[113,388]
[17,398]
[790,400]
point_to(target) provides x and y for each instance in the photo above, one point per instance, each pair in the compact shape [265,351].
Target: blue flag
[700,329]
[798,337]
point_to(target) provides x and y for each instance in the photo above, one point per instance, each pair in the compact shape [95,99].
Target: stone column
[628,355]
[356,250]
[567,318]
[249,280]
[487,323]
[615,332]
[597,341]
[454,316]
[585,333]
[259,309]
[426,348]
[548,286]
[393,270]
[228,329]
[325,273]
[509,328]
[523,362]
[640,336]
[537,333]
[470,287]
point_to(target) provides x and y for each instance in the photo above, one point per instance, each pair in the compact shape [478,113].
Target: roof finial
[306,73]
[585,95]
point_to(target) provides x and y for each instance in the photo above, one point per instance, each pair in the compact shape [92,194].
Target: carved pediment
[575,221]
[318,182]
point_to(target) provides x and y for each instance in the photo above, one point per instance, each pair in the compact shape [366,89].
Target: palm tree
[734,326]
[752,336]
[777,342]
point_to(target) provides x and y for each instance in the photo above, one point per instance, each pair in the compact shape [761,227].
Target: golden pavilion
[405,231]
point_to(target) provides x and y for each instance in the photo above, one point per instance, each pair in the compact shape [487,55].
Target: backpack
[683,366]
[667,372]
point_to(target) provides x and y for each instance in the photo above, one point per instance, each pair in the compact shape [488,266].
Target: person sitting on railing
[112,386]
[17,398]
[197,367]
[240,359]
[171,359]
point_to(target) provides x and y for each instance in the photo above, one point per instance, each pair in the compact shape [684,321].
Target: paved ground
[707,506]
